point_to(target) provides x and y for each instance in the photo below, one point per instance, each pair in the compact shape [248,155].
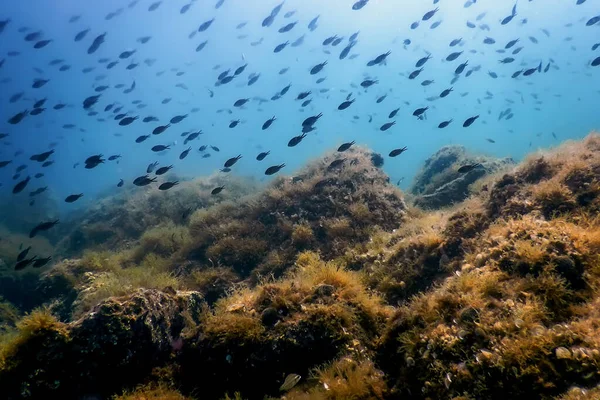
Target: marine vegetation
[493,296]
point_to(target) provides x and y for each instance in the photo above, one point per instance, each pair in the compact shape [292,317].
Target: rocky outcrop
[439,184]
[114,346]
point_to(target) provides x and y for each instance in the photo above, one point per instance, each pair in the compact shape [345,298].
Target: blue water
[567,95]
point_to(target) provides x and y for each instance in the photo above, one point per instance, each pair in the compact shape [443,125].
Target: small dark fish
[470,121]
[593,21]
[511,43]
[317,68]
[422,61]
[96,44]
[262,155]
[160,147]
[489,40]
[23,254]
[160,129]
[163,170]
[143,180]
[280,47]
[453,56]
[44,226]
[296,140]
[40,262]
[18,188]
[336,163]
[26,262]
[420,111]
[596,62]
[185,153]
[382,98]
[205,25]
[455,42]
[274,169]
[177,119]
[346,50]
[217,190]
[231,162]
[120,184]
[446,92]
[310,121]
[127,121]
[468,168]
[81,35]
[445,124]
[42,156]
[201,46]
[253,79]
[240,102]
[234,123]
[168,185]
[429,14]
[359,4]
[288,27]
[368,83]
[346,146]
[38,83]
[303,95]
[387,126]
[90,101]
[507,60]
[185,9]
[73,198]
[397,152]
[490,140]
[154,5]
[142,138]
[507,20]
[346,104]
[268,123]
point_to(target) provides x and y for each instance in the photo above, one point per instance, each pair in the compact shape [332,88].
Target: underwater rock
[114,346]
[439,184]
[553,183]
[311,317]
[117,221]
[330,205]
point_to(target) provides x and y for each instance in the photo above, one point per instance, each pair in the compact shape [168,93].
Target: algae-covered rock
[117,221]
[439,184]
[114,346]
[325,207]
[293,325]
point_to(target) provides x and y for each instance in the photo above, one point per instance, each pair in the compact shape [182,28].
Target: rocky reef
[328,285]
[439,184]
